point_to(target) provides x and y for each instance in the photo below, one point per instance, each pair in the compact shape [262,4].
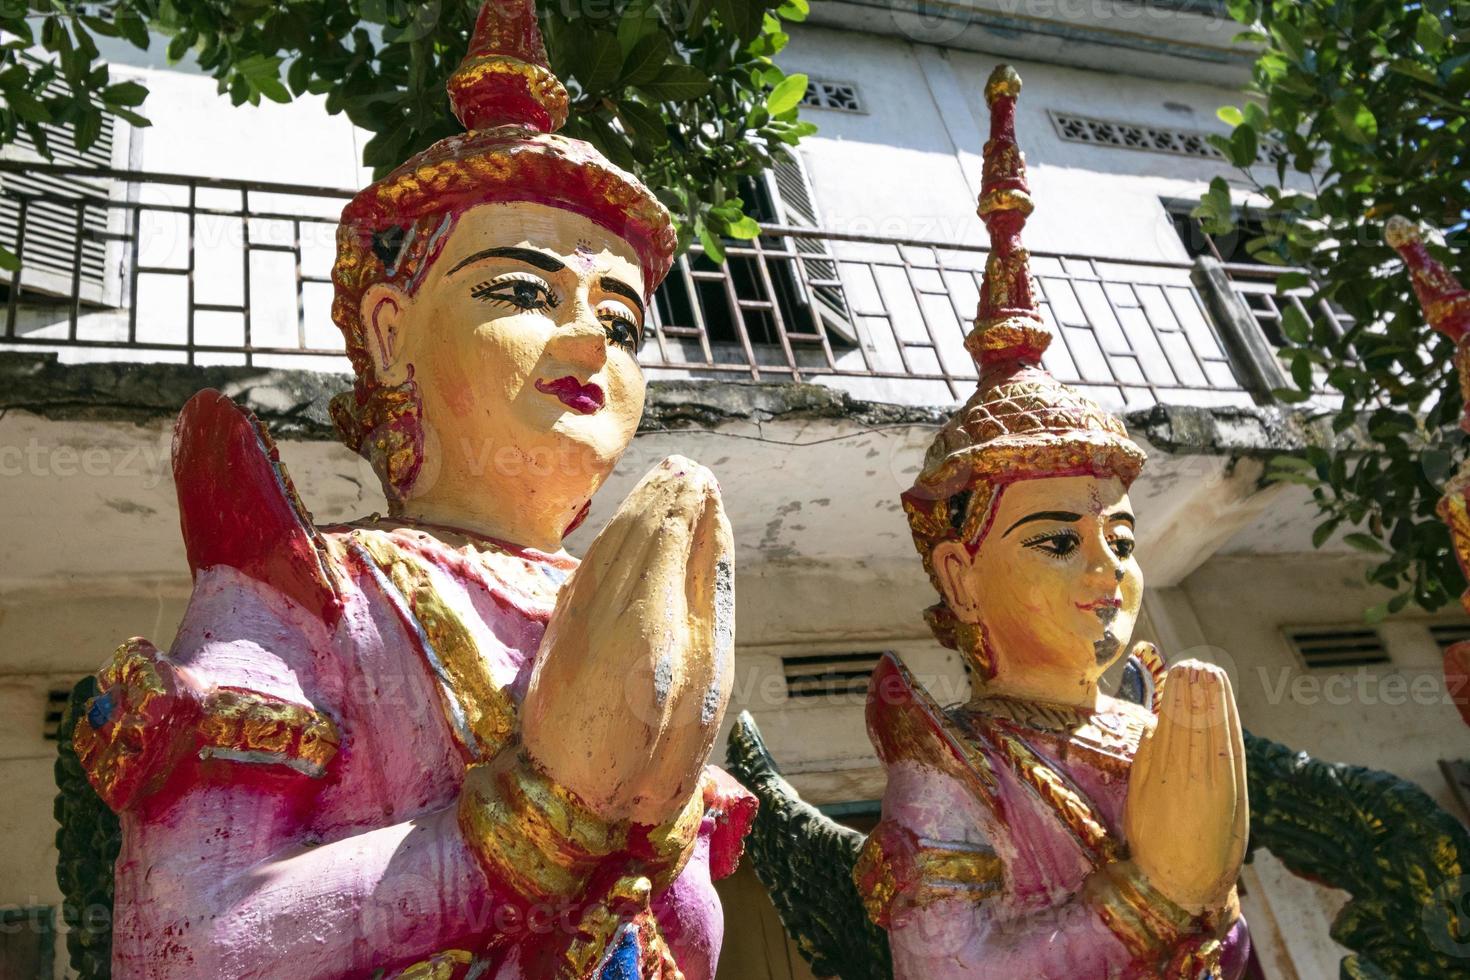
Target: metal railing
[208,270]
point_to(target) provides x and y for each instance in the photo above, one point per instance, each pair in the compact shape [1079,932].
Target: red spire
[504,79]
[1446,303]
[1008,325]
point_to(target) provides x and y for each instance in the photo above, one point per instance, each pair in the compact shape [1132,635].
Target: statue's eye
[621,325]
[1056,544]
[1122,547]
[520,291]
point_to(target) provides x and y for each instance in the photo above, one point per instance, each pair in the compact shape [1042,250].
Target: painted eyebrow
[540,260]
[1122,515]
[1065,516]
[624,290]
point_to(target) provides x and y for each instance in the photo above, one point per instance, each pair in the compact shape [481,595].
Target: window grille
[53,227]
[842,96]
[1336,647]
[828,675]
[1155,139]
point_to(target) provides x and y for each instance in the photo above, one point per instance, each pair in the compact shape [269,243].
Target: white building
[175,284]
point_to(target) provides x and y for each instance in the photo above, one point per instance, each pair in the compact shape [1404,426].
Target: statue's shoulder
[906,724]
[239,508]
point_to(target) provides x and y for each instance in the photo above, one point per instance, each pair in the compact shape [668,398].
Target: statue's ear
[384,312]
[953,567]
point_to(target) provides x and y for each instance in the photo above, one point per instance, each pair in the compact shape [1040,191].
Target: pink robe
[985,873]
[245,854]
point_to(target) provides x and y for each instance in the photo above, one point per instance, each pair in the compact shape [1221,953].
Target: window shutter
[797,208]
[49,251]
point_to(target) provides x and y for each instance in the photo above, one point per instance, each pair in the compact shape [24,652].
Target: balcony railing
[124,265]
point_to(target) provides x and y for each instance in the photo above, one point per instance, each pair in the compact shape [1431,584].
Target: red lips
[579,397]
[1113,603]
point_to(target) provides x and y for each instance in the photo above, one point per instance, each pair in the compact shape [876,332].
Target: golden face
[1054,581]
[523,343]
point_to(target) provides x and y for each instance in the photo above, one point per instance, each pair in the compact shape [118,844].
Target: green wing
[1383,840]
[805,860]
[87,840]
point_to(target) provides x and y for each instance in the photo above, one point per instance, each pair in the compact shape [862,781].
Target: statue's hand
[1187,815]
[636,666]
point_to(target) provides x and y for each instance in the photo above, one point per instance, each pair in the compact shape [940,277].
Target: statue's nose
[581,339]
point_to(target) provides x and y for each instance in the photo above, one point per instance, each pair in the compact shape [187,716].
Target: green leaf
[639,22]
[28,107]
[794,10]
[129,94]
[1230,115]
[646,60]
[644,124]
[741,17]
[1365,542]
[677,83]
[787,95]
[712,246]
[1355,118]
[601,64]
[1415,70]
[1294,325]
[745,227]
[8,261]
[1323,531]
[1243,146]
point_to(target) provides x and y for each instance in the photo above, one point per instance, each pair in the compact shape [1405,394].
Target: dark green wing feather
[805,860]
[1383,840]
[87,839]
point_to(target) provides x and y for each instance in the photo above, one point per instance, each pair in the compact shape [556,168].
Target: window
[809,301]
[62,213]
[56,702]
[1337,647]
[1448,634]
[842,96]
[1154,139]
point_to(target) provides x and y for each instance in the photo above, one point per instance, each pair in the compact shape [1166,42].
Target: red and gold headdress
[1447,308]
[511,105]
[1021,423]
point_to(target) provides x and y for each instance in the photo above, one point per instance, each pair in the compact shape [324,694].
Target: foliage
[1371,100]
[683,92]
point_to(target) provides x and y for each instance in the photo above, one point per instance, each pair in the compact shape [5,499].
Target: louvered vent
[49,252]
[827,675]
[1332,648]
[1448,634]
[798,210]
[56,702]
[1157,139]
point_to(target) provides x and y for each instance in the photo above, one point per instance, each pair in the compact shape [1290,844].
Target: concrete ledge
[293,403]
[1255,431]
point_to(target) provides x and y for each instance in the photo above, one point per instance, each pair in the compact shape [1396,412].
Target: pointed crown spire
[505,79]
[1008,324]
[1446,303]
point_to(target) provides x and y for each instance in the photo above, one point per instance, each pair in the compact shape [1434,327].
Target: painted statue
[1045,829]
[432,744]
[1446,306]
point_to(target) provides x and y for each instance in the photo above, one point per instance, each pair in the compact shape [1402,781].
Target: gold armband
[1146,921]
[530,832]
[899,870]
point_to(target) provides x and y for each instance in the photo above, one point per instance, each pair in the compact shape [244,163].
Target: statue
[1044,829]
[1446,306]
[431,744]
